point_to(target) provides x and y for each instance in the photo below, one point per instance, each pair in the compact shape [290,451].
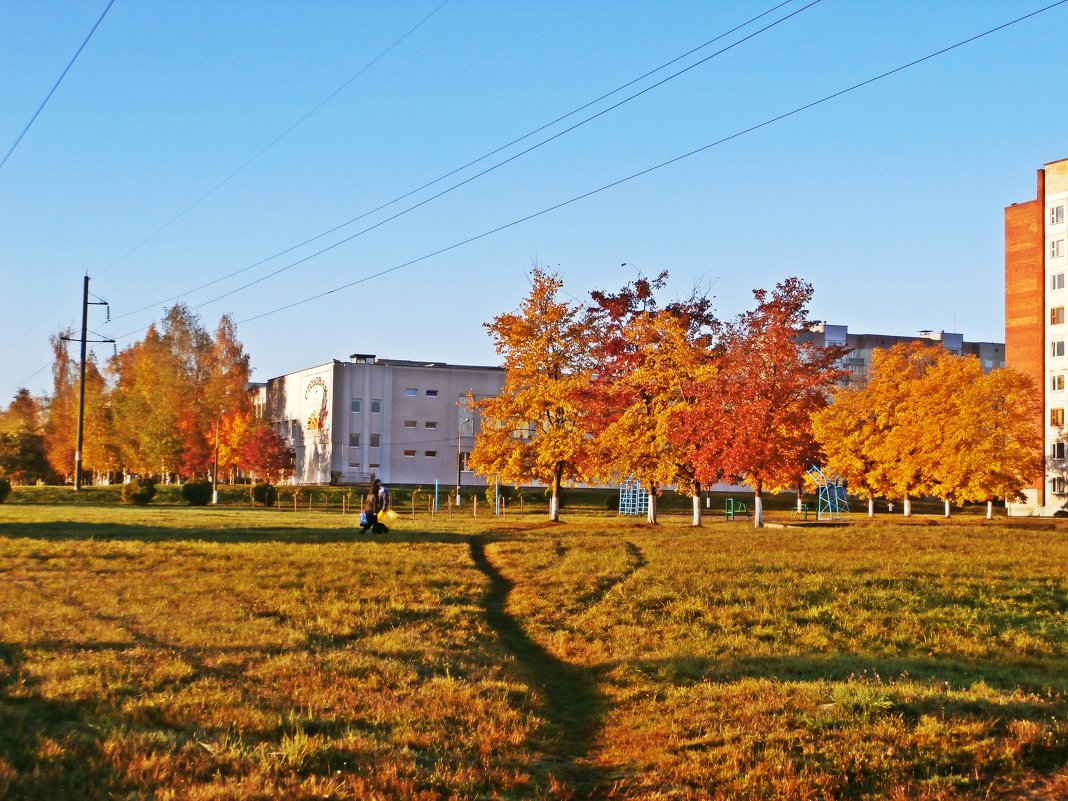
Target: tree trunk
[554,508]
[696,522]
[908,507]
[989,510]
[758,510]
[871,506]
[947,508]
[651,517]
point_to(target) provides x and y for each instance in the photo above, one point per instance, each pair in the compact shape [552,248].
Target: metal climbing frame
[833,503]
[633,500]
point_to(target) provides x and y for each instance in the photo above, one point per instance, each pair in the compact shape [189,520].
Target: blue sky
[889,199]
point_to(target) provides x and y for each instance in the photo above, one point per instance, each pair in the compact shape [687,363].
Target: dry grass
[223,654]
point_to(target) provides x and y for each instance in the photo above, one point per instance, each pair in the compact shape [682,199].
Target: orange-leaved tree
[647,362]
[534,430]
[769,384]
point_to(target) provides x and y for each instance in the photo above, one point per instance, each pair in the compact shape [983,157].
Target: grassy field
[183,653]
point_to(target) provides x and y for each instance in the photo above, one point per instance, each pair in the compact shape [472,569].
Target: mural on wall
[317,426]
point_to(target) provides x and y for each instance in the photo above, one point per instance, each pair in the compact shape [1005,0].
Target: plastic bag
[363,518]
[387,516]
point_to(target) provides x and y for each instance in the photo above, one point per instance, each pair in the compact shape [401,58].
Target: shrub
[139,491]
[611,502]
[263,494]
[5,488]
[505,492]
[197,492]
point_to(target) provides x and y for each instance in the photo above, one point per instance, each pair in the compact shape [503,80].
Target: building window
[376,407]
[1056,382]
[431,393]
[1056,485]
[1056,417]
[353,463]
[1056,215]
[1056,248]
[431,424]
[1056,451]
[376,440]
[431,454]
[411,392]
[409,423]
[409,452]
[1056,281]
[356,405]
[354,440]
[1056,348]
[1056,315]
[374,465]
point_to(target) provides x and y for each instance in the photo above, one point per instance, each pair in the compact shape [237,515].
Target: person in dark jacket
[376,502]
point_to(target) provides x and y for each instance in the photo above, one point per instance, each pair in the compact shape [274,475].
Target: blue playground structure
[833,503]
[633,500]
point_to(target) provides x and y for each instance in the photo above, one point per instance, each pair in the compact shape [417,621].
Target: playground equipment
[832,500]
[633,500]
[733,507]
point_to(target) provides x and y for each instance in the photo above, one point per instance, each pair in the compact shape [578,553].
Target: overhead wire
[480,174]
[59,80]
[491,153]
[668,162]
[272,143]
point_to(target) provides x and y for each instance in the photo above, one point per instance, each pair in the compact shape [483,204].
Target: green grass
[173,652]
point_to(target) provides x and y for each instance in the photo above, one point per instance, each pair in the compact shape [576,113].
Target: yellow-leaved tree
[534,430]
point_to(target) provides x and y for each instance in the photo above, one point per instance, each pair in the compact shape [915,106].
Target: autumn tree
[534,430]
[769,384]
[22,449]
[265,454]
[647,359]
[61,423]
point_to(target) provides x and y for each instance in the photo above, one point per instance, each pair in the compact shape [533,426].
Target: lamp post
[459,458]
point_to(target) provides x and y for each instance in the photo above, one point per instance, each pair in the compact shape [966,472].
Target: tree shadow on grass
[52,749]
[121,532]
[573,704]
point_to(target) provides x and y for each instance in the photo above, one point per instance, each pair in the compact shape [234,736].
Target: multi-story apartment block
[862,346]
[404,422]
[1035,327]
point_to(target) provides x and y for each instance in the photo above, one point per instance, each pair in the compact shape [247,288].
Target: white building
[404,422]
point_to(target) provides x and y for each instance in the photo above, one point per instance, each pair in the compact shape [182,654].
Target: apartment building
[405,422]
[1035,328]
[861,347]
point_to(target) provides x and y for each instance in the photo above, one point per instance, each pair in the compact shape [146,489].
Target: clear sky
[888,199]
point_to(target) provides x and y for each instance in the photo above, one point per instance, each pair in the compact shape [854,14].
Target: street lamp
[215,470]
[459,458]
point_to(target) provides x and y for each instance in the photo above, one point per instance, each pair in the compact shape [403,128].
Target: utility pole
[81,383]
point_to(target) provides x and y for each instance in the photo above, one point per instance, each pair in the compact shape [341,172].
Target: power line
[57,83]
[661,165]
[478,175]
[272,143]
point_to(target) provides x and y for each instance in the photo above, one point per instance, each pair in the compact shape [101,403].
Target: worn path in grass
[573,703]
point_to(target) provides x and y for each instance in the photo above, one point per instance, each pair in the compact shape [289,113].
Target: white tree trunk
[947,508]
[554,509]
[696,522]
[758,511]
[989,510]
[651,517]
[908,506]
[871,507]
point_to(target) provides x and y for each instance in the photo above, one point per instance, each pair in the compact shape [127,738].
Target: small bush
[197,492]
[263,494]
[5,488]
[139,491]
[611,502]
[505,491]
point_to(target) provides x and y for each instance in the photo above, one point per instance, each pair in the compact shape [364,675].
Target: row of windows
[371,466]
[429,454]
[356,404]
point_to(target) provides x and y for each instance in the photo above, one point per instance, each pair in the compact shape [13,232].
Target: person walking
[383,502]
[371,508]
